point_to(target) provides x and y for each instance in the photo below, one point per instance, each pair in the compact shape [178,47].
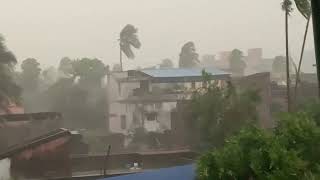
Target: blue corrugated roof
[176,173]
[182,72]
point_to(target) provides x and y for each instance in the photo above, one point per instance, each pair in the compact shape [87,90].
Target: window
[193,85]
[123,120]
[151,116]
[158,105]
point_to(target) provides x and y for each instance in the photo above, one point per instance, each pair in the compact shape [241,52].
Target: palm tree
[9,91]
[287,8]
[304,7]
[128,38]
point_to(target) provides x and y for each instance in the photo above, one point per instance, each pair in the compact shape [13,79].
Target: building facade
[147,98]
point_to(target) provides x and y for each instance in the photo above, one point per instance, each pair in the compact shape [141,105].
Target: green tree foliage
[30,80]
[220,112]
[128,39]
[80,95]
[90,72]
[166,63]
[237,64]
[298,131]
[65,67]
[49,77]
[279,65]
[252,154]
[30,75]
[290,151]
[10,92]
[189,58]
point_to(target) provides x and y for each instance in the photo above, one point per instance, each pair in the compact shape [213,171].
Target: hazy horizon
[49,30]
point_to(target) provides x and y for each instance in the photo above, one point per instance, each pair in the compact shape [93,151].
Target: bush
[300,132]
[291,151]
[251,154]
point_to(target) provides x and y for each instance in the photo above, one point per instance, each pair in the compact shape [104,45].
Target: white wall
[5,169]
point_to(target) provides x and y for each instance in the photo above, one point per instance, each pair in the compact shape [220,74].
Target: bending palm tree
[287,7]
[128,38]
[9,91]
[304,7]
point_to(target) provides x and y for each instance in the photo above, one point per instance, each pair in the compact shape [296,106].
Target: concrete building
[147,98]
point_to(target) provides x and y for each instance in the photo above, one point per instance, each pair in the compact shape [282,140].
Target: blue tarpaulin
[175,173]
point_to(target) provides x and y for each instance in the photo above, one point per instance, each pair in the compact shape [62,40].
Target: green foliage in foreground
[290,151]
[221,111]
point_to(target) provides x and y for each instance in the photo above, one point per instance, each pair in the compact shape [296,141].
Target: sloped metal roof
[182,72]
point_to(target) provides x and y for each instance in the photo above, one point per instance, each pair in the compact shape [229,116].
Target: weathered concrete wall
[260,82]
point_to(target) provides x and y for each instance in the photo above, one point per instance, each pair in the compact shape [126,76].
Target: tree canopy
[80,95]
[289,151]
[166,63]
[189,58]
[10,92]
[65,67]
[237,64]
[30,74]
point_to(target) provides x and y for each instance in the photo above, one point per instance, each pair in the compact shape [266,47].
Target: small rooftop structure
[174,75]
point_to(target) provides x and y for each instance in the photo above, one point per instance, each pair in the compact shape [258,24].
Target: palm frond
[126,49]
[304,7]
[128,38]
[286,5]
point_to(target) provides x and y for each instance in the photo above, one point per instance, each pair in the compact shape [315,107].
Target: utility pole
[316,31]
[105,163]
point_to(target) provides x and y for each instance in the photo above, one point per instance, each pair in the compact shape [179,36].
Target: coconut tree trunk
[300,60]
[287,61]
[121,58]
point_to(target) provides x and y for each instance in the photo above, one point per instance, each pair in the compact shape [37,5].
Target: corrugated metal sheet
[181,72]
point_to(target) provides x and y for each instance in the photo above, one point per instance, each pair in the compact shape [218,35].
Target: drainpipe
[316,30]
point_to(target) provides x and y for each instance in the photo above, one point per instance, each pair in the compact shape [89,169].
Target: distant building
[255,62]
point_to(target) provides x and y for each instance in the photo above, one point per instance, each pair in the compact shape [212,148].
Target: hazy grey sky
[50,29]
